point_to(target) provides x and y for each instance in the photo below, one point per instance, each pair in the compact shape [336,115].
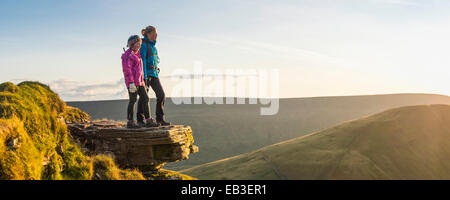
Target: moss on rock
[23,161]
[75,115]
[34,143]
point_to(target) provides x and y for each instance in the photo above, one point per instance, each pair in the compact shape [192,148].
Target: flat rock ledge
[146,149]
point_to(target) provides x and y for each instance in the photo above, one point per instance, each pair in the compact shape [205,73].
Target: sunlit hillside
[403,143]
[223,131]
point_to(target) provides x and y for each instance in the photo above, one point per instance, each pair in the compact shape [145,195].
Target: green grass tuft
[105,169]
[164,174]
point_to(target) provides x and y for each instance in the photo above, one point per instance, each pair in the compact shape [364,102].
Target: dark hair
[133,39]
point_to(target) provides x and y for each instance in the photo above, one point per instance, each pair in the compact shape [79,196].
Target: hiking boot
[141,123]
[132,124]
[151,123]
[163,122]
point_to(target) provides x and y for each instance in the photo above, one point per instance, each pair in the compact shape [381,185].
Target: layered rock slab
[147,149]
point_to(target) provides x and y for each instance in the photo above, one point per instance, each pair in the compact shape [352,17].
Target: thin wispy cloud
[196,39]
[203,76]
[399,2]
[289,52]
[284,52]
[10,39]
[71,90]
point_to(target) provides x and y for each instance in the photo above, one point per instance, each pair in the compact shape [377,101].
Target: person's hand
[132,88]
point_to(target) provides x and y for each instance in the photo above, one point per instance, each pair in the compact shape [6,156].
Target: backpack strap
[128,57]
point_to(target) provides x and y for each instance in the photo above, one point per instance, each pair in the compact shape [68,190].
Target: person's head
[150,32]
[134,43]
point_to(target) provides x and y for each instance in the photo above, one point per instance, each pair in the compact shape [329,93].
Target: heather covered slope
[404,143]
[34,143]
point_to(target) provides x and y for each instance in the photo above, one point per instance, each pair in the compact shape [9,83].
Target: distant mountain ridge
[223,131]
[404,143]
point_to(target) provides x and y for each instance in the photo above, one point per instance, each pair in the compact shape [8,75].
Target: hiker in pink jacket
[134,79]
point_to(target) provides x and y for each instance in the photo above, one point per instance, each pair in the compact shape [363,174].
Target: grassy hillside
[223,131]
[34,143]
[403,143]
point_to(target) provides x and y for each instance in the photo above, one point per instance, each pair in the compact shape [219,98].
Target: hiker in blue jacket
[150,59]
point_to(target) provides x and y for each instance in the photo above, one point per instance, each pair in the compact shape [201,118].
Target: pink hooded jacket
[132,67]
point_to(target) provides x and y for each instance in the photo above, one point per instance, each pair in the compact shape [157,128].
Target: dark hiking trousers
[143,110]
[155,84]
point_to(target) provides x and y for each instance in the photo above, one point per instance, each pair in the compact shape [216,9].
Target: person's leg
[160,100]
[130,109]
[141,110]
[140,115]
[144,101]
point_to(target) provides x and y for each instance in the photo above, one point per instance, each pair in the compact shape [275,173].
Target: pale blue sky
[322,48]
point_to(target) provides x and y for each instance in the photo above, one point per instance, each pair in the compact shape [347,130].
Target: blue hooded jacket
[150,63]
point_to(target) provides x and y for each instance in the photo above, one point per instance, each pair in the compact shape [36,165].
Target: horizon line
[443,95]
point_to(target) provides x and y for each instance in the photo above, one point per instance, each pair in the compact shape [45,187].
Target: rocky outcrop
[146,149]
